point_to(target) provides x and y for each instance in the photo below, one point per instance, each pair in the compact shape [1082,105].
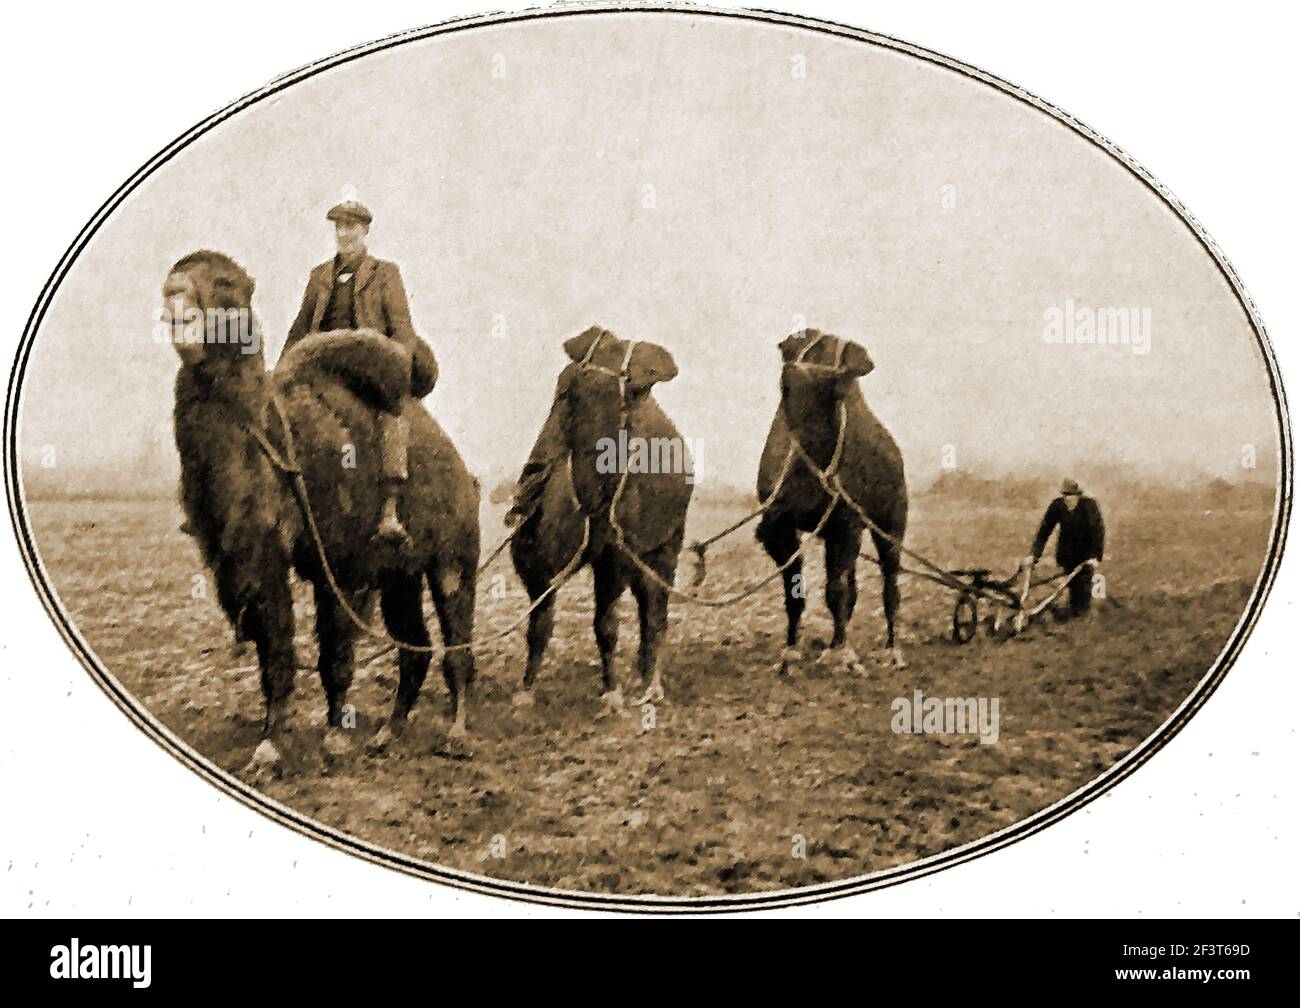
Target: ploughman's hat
[349,210]
[1070,487]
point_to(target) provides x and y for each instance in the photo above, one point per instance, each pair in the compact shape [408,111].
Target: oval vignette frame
[645,903]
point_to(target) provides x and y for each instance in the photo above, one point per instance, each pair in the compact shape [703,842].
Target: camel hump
[775,449]
[365,361]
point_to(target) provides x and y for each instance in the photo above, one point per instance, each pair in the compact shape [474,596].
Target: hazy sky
[518,197]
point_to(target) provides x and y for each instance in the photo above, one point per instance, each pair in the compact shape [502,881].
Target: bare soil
[737,763]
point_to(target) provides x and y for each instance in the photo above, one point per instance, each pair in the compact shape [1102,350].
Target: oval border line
[189,757]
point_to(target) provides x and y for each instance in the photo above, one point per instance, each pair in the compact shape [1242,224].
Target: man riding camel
[1079,541]
[355,291]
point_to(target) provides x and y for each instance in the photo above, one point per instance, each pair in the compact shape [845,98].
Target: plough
[1007,597]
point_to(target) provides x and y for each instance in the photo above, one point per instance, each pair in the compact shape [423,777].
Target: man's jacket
[1082,533]
[378,302]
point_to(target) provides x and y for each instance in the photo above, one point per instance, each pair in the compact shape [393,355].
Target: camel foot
[524,698]
[842,658]
[896,657]
[336,744]
[382,740]
[456,745]
[889,656]
[789,657]
[611,705]
[654,693]
[266,763]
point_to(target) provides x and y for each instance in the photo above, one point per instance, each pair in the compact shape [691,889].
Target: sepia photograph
[648,457]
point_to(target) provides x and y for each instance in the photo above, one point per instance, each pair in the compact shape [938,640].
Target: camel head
[819,369]
[207,312]
[607,376]
[595,396]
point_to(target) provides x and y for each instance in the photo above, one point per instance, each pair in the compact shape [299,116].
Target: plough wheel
[965,618]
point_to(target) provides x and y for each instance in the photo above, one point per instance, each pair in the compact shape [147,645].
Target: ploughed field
[709,797]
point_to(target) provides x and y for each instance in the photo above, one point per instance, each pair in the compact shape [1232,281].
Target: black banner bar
[214,958]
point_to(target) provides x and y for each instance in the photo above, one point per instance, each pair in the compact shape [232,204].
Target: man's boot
[392,444]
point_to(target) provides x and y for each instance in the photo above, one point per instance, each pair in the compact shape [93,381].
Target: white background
[98,821]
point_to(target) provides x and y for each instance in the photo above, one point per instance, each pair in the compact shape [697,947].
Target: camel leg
[889,564]
[453,588]
[335,637]
[400,600]
[269,623]
[541,623]
[652,606]
[842,545]
[781,540]
[334,661]
[609,588]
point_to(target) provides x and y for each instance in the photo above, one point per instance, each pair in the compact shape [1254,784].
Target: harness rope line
[727,600]
[620,536]
[832,484]
[829,479]
[555,585]
[701,545]
[934,572]
[290,468]
[834,487]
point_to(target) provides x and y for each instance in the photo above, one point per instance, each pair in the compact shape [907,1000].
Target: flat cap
[1070,487]
[349,210]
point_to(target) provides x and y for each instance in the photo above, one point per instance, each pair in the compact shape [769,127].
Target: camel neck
[592,441]
[816,425]
[238,384]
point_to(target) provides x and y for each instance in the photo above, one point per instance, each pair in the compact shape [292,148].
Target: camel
[819,374]
[242,508]
[602,394]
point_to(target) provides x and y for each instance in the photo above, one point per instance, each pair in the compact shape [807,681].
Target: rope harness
[701,545]
[832,484]
[288,465]
[828,478]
